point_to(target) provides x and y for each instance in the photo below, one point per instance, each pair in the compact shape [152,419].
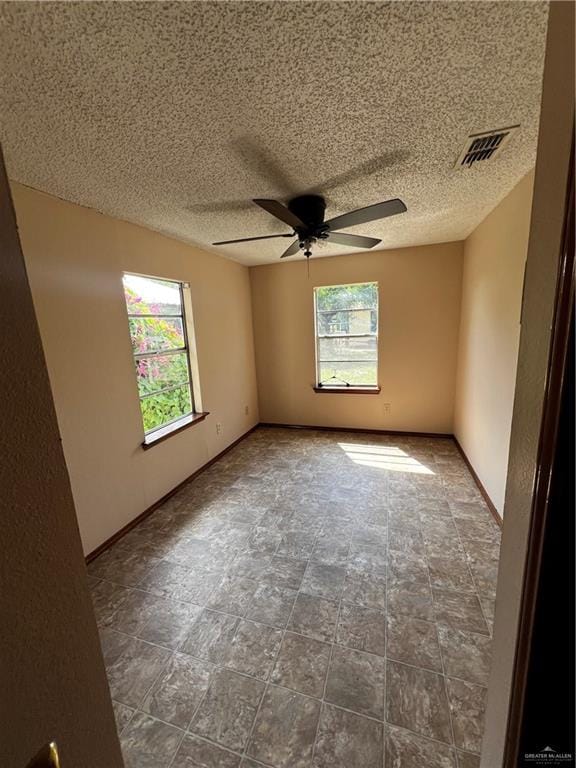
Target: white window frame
[188,348]
[323,385]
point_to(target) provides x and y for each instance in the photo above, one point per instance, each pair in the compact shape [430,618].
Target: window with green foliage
[347,334]
[160,346]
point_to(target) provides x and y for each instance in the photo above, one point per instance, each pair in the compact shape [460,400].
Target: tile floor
[313,599]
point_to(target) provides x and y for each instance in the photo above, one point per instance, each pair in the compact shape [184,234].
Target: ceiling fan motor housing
[310,209]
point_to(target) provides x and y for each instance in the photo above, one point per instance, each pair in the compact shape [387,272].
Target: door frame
[540,511]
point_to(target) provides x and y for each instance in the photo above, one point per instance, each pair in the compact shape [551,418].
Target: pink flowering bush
[162,379]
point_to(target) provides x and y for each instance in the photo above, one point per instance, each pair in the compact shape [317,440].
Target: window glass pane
[360,372]
[347,321]
[153,334]
[150,296]
[155,373]
[347,348]
[361,295]
[160,409]
[347,334]
[156,322]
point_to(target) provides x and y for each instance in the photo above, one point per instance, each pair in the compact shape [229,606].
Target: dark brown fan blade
[370,213]
[248,239]
[291,250]
[281,212]
[354,241]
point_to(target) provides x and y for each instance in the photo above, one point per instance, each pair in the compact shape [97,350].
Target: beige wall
[494,258]
[75,258]
[52,679]
[418,337]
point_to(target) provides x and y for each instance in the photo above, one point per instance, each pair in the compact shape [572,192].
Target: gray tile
[356,681]
[210,636]
[107,598]
[285,729]
[365,589]
[149,743]
[460,610]
[402,517]
[466,655]
[179,690]
[488,604]
[122,713]
[247,515]
[434,509]
[267,507]
[122,566]
[468,704]
[330,549]
[200,554]
[177,582]
[467,760]
[485,577]
[404,569]
[251,565]
[285,572]
[233,595]
[481,529]
[253,649]
[368,557]
[416,700]
[347,740]
[434,529]
[408,750]
[227,713]
[296,544]
[314,617]
[450,573]
[133,672]
[197,753]
[272,605]
[264,540]
[113,645]
[93,582]
[413,641]
[481,551]
[369,535]
[302,665]
[323,581]
[362,628]
[411,599]
[408,540]
[439,544]
[169,623]
[470,510]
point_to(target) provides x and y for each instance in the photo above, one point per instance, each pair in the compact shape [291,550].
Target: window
[161,356]
[347,336]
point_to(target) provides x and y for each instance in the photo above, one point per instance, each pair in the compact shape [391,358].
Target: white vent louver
[481,147]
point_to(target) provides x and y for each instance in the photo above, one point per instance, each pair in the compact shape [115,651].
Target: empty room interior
[277,254]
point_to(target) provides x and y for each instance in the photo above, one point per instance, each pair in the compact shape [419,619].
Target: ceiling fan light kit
[305,215]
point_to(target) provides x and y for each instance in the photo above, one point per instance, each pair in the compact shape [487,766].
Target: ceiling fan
[305,215]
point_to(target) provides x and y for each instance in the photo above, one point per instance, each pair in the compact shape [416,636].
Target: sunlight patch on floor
[389,458]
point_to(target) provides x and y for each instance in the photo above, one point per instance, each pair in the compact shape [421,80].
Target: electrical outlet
[218,428]
[246,410]
[386,409]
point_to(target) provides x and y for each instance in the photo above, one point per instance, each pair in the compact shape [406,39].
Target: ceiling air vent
[481,147]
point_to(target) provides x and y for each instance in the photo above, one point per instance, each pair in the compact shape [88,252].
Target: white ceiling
[174,115]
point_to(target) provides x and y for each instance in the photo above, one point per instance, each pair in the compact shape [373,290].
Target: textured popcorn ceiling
[175,115]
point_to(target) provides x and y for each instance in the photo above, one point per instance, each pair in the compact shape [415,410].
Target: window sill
[159,435]
[368,390]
